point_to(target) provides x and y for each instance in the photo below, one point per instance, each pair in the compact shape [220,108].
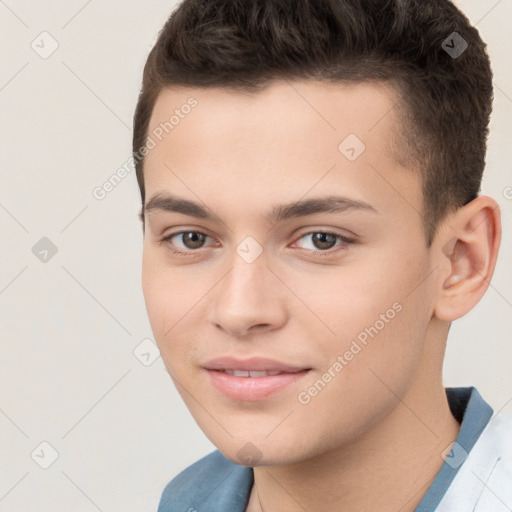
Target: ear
[466,251]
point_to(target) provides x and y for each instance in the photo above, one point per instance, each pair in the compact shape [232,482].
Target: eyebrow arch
[330,204]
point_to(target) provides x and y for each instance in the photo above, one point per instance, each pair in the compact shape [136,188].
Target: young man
[310,174]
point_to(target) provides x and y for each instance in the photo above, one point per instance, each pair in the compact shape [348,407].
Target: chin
[265,453]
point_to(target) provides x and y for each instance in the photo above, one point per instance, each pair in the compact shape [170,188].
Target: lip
[253,363]
[252,389]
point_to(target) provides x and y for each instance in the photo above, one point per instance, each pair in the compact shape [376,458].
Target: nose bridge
[245,297]
[246,281]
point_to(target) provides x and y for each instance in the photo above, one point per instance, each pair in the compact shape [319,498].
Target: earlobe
[469,253]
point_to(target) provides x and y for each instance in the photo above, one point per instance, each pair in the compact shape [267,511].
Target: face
[343,296]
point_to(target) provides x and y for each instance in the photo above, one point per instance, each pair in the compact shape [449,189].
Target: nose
[248,299]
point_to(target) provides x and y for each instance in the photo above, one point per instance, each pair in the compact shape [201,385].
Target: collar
[473,413]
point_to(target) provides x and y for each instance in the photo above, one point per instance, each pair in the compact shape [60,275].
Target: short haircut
[444,100]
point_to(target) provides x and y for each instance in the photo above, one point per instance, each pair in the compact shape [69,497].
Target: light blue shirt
[215,484]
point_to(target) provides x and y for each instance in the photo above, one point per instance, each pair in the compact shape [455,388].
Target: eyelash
[329,252]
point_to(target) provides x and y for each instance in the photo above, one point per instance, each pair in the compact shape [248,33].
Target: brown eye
[322,241]
[189,240]
[192,239]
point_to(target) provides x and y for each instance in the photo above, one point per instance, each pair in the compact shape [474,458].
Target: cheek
[337,303]
[174,299]
[154,294]
[163,303]
[374,315]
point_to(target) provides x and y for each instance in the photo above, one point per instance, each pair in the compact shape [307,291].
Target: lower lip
[251,389]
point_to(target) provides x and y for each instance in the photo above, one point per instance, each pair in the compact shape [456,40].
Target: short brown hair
[246,44]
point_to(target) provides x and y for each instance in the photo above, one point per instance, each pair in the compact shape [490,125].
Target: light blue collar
[473,412]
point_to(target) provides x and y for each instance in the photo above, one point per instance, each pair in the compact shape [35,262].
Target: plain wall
[70,325]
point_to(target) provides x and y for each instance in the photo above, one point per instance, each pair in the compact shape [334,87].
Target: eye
[191,241]
[322,241]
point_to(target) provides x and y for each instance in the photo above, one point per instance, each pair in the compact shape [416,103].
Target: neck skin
[388,468]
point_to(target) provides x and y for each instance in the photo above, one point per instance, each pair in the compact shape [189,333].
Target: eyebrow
[281,212]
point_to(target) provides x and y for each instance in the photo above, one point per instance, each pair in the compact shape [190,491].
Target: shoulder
[208,484]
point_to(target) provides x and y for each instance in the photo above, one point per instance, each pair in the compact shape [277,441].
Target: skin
[372,438]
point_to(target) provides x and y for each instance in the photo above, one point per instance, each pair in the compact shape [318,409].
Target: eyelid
[328,231]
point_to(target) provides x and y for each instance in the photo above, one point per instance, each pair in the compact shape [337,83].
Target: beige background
[69,326]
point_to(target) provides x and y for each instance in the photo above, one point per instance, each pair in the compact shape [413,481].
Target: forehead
[289,137]
[294,108]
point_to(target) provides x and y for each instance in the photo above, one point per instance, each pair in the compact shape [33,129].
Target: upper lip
[254,363]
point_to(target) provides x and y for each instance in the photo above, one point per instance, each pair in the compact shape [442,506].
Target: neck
[389,467]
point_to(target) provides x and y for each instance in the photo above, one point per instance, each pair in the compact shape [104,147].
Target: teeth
[251,373]
[238,373]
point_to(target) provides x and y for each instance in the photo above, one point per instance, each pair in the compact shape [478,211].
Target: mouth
[253,373]
[253,364]
[253,379]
